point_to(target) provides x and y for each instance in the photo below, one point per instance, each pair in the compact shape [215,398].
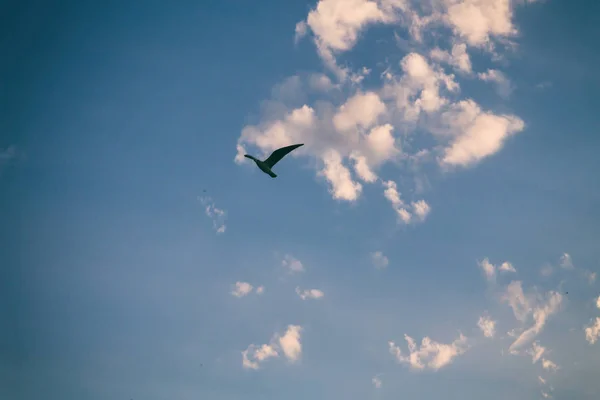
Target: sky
[436,237]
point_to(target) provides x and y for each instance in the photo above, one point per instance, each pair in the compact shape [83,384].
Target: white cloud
[309,293]
[507,267]
[549,365]
[420,209]
[515,297]
[376,382]
[336,25]
[503,85]
[342,187]
[457,58]
[379,260]
[359,111]
[477,134]
[217,215]
[430,354]
[292,264]
[241,289]
[477,21]
[566,261]
[362,168]
[254,355]
[350,131]
[592,332]
[536,351]
[289,344]
[418,90]
[541,313]
[598,302]
[490,269]
[487,326]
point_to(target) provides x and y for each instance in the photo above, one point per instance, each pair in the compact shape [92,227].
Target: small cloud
[430,354]
[288,343]
[254,355]
[543,85]
[487,326]
[541,313]
[292,264]
[379,260]
[507,267]
[549,365]
[566,262]
[242,289]
[592,332]
[7,155]
[490,269]
[536,351]
[546,270]
[217,215]
[541,380]
[591,277]
[310,293]
[598,302]
[503,86]
[376,382]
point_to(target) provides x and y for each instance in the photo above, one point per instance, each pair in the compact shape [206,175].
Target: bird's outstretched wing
[279,154]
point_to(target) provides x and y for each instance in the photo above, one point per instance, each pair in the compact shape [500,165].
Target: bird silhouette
[266,165]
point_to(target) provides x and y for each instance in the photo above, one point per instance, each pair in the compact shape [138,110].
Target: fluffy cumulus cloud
[592,332]
[430,354]
[289,345]
[416,114]
[217,215]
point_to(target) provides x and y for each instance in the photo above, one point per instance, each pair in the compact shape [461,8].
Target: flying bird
[266,165]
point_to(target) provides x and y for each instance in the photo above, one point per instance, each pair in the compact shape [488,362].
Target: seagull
[266,165]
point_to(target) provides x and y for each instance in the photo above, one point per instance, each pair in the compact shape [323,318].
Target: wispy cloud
[292,264]
[379,260]
[7,155]
[310,293]
[217,215]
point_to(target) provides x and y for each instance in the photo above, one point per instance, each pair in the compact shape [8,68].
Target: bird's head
[250,157]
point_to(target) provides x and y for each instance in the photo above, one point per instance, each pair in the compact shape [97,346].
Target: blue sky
[421,244]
